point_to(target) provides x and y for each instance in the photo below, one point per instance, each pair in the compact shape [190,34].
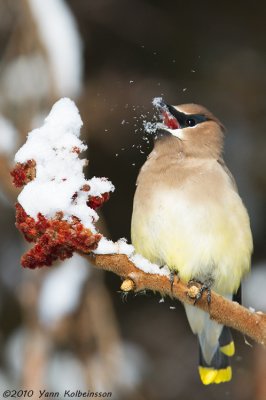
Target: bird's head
[194,129]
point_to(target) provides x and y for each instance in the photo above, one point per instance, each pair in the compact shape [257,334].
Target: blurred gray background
[66,327]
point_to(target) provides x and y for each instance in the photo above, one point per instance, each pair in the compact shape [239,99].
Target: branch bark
[225,312]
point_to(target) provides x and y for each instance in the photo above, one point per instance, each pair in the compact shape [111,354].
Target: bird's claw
[206,286]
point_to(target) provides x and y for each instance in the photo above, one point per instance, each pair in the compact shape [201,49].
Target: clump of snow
[8,136]
[61,290]
[59,34]
[150,127]
[55,148]
[157,102]
[106,246]
[99,186]
[59,133]
[148,267]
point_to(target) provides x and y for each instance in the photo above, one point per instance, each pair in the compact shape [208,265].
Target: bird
[188,215]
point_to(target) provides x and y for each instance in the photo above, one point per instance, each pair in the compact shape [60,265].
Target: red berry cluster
[54,239]
[23,173]
[97,201]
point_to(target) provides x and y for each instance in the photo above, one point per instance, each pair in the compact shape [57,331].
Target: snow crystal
[106,246]
[59,34]
[157,102]
[59,170]
[61,290]
[148,267]
[150,127]
[8,136]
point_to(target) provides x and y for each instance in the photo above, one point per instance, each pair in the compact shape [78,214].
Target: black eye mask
[186,120]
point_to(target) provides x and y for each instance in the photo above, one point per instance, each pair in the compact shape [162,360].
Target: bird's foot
[172,276]
[204,286]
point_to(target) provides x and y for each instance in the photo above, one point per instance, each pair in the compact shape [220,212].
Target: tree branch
[229,313]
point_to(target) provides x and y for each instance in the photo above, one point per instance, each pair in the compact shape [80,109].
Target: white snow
[99,186]
[8,136]
[59,34]
[157,102]
[59,170]
[148,267]
[61,290]
[106,246]
[150,127]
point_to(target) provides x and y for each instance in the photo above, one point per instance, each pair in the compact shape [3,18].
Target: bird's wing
[228,172]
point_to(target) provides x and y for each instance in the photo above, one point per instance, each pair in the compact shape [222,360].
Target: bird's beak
[167,116]
[170,117]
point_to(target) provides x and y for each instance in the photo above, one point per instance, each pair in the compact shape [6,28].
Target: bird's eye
[190,122]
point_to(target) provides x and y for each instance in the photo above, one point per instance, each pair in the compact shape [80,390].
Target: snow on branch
[56,212]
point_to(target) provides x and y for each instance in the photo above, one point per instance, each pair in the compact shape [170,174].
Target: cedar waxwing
[187,214]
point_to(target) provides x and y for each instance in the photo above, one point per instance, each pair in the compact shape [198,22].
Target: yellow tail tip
[210,375]
[228,350]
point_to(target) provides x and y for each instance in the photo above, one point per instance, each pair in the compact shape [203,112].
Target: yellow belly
[198,239]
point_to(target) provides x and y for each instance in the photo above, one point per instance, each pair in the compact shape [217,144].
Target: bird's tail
[218,369]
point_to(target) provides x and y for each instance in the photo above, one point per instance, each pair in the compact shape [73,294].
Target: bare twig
[252,324]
